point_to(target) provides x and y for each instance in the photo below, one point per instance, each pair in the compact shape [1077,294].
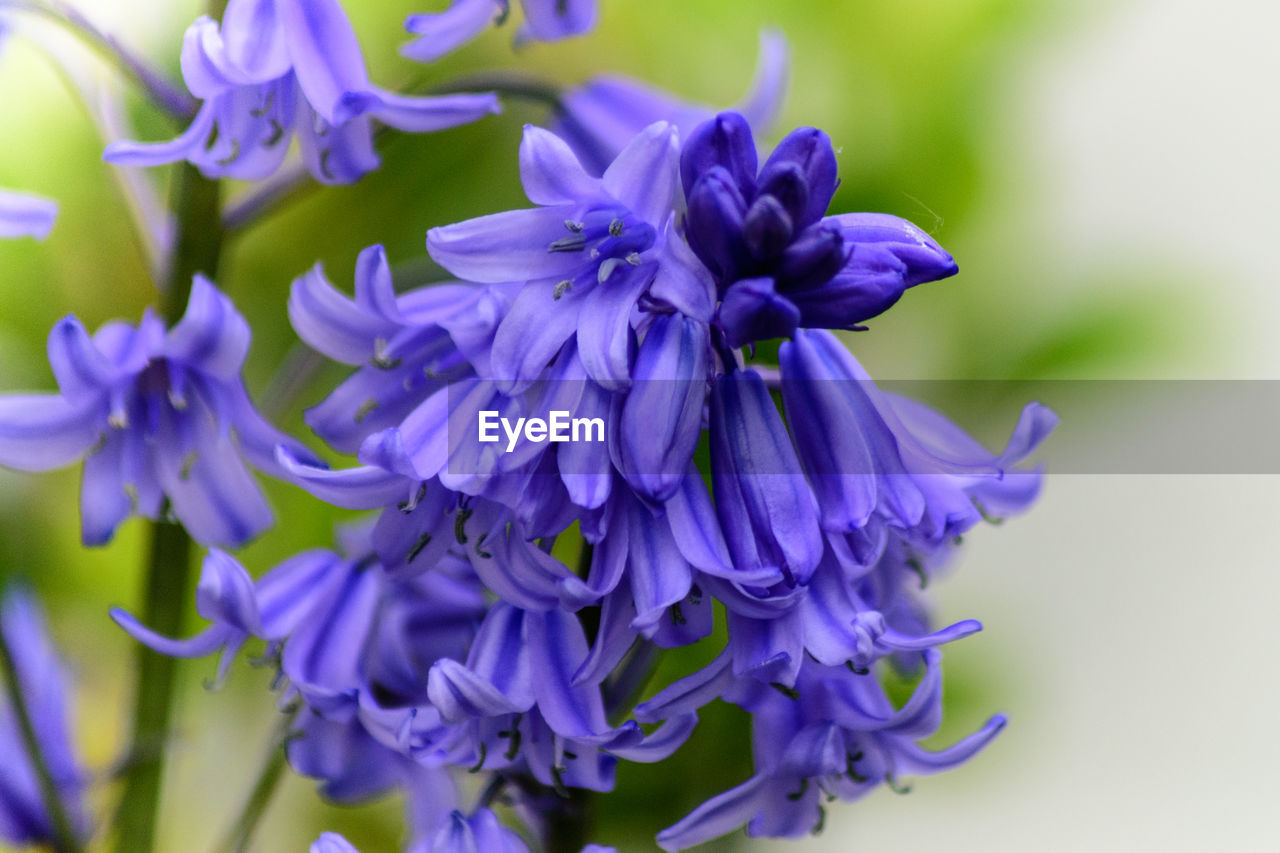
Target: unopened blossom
[276,69]
[161,419]
[779,261]
[43,683]
[24,215]
[544,20]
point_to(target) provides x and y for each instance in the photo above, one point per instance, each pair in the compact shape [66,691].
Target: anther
[366,408]
[575,227]
[633,258]
[576,243]
[560,289]
[615,228]
[421,542]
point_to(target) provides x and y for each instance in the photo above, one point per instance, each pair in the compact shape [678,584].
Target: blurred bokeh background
[1105,174]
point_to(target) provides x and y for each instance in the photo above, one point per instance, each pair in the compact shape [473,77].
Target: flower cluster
[502,607]
[452,635]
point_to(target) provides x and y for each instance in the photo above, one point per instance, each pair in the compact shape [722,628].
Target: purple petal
[418,113]
[333,324]
[332,842]
[226,594]
[103,500]
[40,432]
[662,414]
[502,247]
[551,20]
[913,759]
[79,367]
[365,487]
[206,642]
[26,216]
[533,331]
[325,53]
[446,31]
[550,172]
[644,175]
[211,334]
[557,647]
[183,147]
[246,50]
[726,142]
[719,815]
[810,149]
[604,330]
[682,281]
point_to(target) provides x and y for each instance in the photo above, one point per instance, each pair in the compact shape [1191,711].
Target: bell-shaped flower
[153,415]
[399,344]
[24,215]
[275,69]
[586,255]
[43,684]
[767,510]
[601,116]
[834,736]
[545,20]
[779,261]
[870,452]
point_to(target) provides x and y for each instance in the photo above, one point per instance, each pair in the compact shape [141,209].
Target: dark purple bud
[717,212]
[809,149]
[868,285]
[924,259]
[724,141]
[787,183]
[768,228]
[812,259]
[753,310]
[662,415]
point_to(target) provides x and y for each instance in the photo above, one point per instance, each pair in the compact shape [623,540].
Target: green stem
[173,101]
[197,248]
[64,838]
[241,833]
[570,822]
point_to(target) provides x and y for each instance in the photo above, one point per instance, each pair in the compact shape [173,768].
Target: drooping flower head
[275,69]
[780,262]
[544,20]
[24,215]
[43,683]
[161,419]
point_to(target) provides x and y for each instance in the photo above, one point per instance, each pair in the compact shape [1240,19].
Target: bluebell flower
[24,215]
[779,261]
[834,736]
[479,831]
[276,68]
[43,682]
[401,345]
[868,452]
[545,20]
[152,413]
[599,118]
[586,254]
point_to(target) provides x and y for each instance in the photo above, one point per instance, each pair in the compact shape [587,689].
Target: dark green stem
[570,821]
[241,833]
[64,838]
[173,101]
[197,248]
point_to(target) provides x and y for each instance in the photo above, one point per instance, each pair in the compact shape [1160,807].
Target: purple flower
[480,831]
[869,452]
[600,117]
[835,735]
[276,68]
[26,216]
[153,414]
[332,842]
[400,345]
[585,255]
[545,20]
[780,263]
[42,681]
